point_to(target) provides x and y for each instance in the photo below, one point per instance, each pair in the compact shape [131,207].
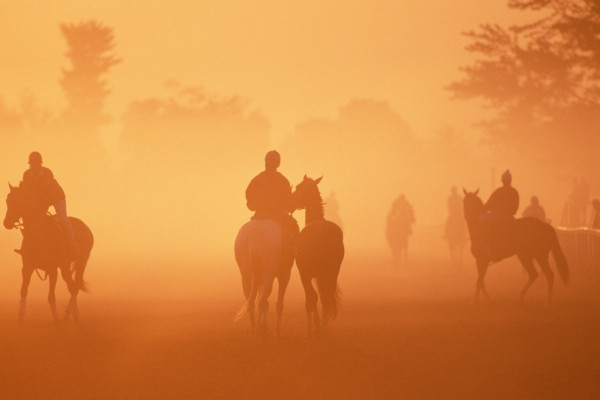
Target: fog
[155,118]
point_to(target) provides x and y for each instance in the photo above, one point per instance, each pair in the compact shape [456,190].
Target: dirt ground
[402,333]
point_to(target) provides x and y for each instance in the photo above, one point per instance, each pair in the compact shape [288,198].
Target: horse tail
[254,291]
[79,268]
[85,242]
[559,258]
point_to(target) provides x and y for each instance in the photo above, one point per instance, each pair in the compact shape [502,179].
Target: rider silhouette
[504,202]
[269,195]
[501,206]
[454,204]
[535,210]
[39,182]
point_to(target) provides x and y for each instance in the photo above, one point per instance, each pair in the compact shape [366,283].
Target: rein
[19,225]
[40,276]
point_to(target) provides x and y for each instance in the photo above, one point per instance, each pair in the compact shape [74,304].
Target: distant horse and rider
[496,234]
[455,230]
[50,242]
[266,246]
[398,228]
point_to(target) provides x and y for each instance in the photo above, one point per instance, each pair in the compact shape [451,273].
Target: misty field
[407,333]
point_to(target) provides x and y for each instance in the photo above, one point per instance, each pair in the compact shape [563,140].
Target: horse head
[473,206]
[14,206]
[307,193]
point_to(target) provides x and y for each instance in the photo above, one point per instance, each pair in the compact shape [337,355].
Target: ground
[398,335]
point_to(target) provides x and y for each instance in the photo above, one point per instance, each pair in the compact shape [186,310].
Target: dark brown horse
[45,248]
[319,255]
[533,240]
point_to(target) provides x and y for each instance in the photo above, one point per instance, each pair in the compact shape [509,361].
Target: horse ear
[477,191]
[305,177]
[465,191]
[318,180]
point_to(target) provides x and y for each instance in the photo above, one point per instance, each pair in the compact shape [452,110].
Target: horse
[533,240]
[45,248]
[398,228]
[264,251]
[319,255]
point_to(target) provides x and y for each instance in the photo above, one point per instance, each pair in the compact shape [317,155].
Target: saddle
[498,234]
[47,239]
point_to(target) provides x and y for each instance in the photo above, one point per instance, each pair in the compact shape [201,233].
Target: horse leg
[311,305]
[263,305]
[249,294]
[327,291]
[282,283]
[73,290]
[545,266]
[482,265]
[26,274]
[52,278]
[527,263]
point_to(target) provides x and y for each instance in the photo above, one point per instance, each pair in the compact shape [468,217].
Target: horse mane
[313,197]
[321,205]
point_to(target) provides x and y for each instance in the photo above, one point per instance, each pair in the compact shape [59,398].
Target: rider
[455,218]
[269,194]
[502,206]
[535,210]
[40,183]
[504,202]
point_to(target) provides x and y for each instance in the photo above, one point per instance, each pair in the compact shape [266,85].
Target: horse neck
[34,220]
[314,211]
[474,226]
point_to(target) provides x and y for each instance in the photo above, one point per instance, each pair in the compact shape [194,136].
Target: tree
[89,51]
[189,154]
[367,155]
[542,78]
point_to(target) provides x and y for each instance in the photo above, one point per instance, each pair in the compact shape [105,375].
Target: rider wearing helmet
[535,210]
[498,222]
[504,202]
[269,194]
[39,182]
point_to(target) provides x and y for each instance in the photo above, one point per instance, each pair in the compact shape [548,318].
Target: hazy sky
[292,60]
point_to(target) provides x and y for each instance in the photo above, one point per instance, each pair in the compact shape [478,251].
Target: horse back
[533,235]
[320,241]
[83,235]
[257,240]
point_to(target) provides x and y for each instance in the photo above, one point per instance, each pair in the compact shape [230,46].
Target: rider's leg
[61,211]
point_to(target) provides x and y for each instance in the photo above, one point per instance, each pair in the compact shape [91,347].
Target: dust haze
[155,141]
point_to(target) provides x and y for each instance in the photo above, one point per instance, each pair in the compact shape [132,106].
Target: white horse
[258,248]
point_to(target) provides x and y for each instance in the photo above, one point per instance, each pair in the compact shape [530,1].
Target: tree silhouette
[89,51]
[363,154]
[189,154]
[542,78]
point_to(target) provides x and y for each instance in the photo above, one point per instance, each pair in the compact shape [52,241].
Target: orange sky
[292,60]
